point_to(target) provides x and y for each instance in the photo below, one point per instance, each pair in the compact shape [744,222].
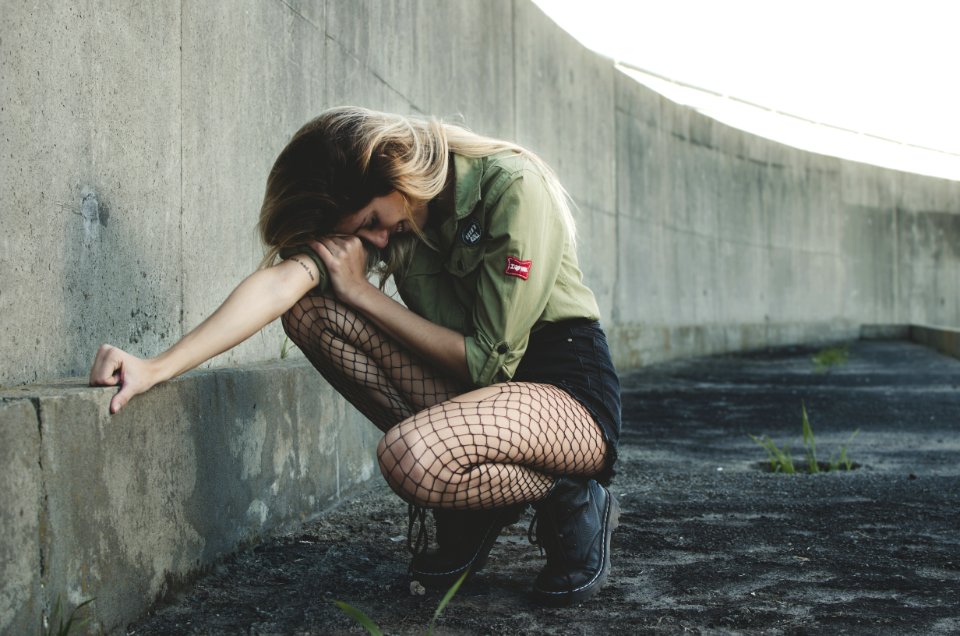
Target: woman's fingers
[341,253]
[127,391]
[105,366]
[346,259]
[113,366]
[328,249]
[338,245]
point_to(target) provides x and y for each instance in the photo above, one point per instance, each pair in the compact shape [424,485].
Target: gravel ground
[710,541]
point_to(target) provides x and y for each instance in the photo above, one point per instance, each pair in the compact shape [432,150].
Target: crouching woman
[493,386]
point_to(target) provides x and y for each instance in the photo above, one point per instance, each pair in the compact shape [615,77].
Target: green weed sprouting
[782,462]
[809,442]
[825,359]
[285,348]
[358,615]
[56,626]
[375,630]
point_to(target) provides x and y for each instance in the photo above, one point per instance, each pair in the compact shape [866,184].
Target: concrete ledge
[637,345]
[943,339]
[122,507]
[642,344]
[20,500]
[885,332]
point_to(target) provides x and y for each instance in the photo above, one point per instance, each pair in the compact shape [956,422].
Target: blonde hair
[336,163]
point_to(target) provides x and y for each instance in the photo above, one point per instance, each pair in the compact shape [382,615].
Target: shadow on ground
[709,542]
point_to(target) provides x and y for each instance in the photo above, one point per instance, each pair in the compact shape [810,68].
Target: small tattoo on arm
[304,266]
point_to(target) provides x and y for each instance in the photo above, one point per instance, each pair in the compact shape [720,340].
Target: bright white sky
[885,68]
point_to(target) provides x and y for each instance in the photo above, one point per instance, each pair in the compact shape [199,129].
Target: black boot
[574,524]
[464,539]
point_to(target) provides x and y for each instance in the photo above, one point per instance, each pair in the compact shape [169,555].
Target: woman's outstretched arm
[258,300]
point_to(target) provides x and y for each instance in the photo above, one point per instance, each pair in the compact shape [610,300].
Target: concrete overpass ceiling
[871,81]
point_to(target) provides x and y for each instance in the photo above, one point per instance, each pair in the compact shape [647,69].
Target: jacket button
[460,265]
[503,348]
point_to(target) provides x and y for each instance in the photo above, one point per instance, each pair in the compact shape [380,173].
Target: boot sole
[591,587]
[447,578]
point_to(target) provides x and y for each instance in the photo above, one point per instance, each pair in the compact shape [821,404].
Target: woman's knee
[311,314]
[404,460]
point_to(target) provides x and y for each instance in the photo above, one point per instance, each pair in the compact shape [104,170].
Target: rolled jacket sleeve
[524,243]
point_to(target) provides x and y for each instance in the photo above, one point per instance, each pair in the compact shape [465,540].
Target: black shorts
[573,355]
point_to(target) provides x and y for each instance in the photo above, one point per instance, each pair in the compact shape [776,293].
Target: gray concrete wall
[729,241]
[21,495]
[137,140]
[121,508]
[135,145]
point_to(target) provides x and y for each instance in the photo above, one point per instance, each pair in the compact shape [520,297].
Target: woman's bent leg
[380,378]
[508,444]
[485,454]
[388,385]
[493,447]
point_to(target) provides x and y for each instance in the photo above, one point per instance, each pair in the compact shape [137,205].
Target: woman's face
[380,219]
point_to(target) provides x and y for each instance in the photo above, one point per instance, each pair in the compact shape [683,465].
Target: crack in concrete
[43,511]
[301,16]
[374,73]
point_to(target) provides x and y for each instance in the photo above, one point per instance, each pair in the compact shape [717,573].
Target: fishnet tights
[492,447]
[374,373]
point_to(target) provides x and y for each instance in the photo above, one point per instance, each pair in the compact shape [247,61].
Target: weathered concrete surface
[709,542]
[944,340]
[90,183]
[450,59]
[183,476]
[21,499]
[717,230]
[136,143]
[253,73]
[565,113]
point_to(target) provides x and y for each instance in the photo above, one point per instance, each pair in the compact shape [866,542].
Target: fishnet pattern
[491,448]
[374,373]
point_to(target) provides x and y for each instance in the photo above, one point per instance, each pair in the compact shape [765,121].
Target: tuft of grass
[809,442]
[374,630]
[844,461]
[826,359]
[58,626]
[781,460]
[365,621]
[446,599]
[285,348]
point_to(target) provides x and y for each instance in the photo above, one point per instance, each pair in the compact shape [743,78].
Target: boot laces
[532,533]
[417,535]
[552,545]
[555,550]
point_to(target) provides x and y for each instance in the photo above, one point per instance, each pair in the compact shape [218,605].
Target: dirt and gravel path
[710,543]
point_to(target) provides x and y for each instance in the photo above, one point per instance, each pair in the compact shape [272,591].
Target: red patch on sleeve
[518,268]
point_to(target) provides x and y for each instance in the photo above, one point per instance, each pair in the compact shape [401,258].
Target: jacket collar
[469,176]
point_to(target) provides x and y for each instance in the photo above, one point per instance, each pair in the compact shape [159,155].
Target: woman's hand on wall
[258,300]
[115,367]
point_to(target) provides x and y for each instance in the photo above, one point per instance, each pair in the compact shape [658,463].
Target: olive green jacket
[500,267]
